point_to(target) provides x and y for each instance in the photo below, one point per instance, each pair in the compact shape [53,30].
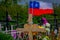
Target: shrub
[5,37]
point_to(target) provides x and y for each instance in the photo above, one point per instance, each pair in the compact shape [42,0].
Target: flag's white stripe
[45,5]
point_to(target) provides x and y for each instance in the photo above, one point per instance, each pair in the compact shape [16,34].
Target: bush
[5,37]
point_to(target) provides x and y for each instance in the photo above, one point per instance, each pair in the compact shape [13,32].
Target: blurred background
[18,14]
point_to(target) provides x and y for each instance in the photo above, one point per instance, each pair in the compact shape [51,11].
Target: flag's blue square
[34,4]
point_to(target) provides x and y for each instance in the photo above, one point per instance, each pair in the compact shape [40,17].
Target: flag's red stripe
[38,12]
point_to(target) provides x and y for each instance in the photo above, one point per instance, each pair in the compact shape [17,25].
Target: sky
[50,1]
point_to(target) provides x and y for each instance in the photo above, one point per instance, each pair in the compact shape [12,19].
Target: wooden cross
[30,28]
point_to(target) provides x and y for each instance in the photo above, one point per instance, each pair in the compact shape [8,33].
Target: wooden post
[0,27]
[11,27]
[59,34]
[30,19]
[6,30]
[30,23]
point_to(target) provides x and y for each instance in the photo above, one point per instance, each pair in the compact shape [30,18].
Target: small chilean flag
[37,8]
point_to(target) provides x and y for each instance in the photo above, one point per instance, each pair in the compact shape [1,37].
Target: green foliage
[5,37]
[13,8]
